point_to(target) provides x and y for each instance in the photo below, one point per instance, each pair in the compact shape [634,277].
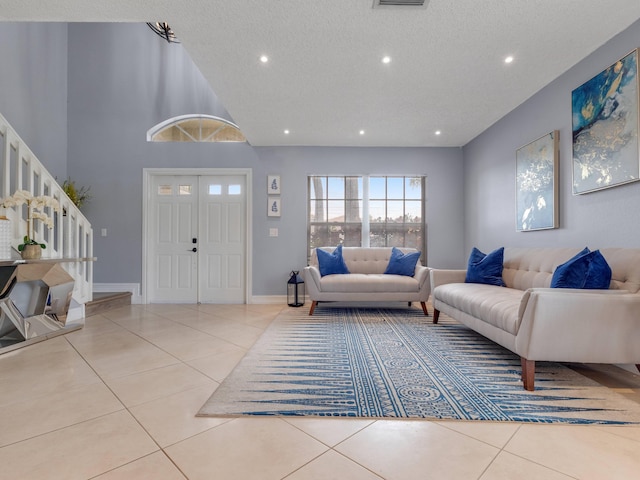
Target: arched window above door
[195,128]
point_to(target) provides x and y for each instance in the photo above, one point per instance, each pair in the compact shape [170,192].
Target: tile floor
[117,399]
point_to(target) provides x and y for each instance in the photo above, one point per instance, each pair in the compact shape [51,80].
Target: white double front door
[196,239]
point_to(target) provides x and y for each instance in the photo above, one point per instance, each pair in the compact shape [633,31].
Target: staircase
[71,236]
[104,301]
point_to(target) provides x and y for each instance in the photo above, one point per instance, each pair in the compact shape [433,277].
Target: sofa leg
[528,373]
[436,314]
[424,308]
[313,307]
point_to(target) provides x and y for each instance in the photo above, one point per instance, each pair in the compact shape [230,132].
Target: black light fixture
[164,30]
[295,290]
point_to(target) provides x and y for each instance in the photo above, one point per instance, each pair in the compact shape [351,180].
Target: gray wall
[604,218]
[33,88]
[123,80]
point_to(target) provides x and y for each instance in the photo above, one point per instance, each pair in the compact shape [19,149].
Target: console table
[34,301]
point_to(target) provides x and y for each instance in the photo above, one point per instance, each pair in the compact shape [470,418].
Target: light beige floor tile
[246,448]
[509,467]
[152,467]
[161,382]
[33,416]
[329,431]
[579,451]
[239,334]
[493,433]
[172,419]
[332,466]
[78,452]
[188,344]
[42,369]
[220,365]
[398,450]
[123,354]
[627,431]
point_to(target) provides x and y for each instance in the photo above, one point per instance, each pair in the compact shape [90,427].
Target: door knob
[194,249]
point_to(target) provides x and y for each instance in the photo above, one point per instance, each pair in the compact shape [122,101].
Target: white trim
[134,288]
[148,173]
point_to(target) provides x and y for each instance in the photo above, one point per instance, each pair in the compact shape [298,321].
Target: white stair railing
[71,236]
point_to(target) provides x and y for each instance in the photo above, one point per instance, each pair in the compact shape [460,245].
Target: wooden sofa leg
[313,307]
[424,308]
[528,373]
[436,314]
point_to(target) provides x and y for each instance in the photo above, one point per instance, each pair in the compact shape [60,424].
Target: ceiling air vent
[400,3]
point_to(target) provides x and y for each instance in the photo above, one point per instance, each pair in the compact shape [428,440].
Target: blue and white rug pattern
[393,362]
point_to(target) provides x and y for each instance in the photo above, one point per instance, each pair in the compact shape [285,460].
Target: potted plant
[36,210]
[78,195]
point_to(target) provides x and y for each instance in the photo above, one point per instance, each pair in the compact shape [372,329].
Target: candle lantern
[295,290]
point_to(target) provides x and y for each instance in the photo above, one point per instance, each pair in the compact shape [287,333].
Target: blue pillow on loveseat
[402,263]
[585,270]
[485,268]
[331,263]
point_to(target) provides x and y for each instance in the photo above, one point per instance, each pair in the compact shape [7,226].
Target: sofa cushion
[485,268]
[587,270]
[402,263]
[496,306]
[369,283]
[331,263]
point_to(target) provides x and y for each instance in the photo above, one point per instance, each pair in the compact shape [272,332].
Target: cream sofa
[539,323]
[366,280]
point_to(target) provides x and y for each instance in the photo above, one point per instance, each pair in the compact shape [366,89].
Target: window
[195,128]
[369,211]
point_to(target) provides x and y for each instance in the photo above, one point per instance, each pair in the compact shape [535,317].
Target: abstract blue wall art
[537,184]
[605,128]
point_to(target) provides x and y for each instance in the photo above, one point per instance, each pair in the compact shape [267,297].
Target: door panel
[211,209]
[173,267]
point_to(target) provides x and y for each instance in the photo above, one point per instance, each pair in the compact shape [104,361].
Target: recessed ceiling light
[264,58]
[286,132]
[509,59]
[386,59]
[438,132]
[361,132]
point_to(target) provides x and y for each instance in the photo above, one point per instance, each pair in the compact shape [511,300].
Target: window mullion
[365,240]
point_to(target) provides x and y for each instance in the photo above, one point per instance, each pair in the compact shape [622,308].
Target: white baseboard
[134,288]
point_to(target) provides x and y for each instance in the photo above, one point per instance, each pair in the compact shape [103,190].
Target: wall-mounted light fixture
[164,30]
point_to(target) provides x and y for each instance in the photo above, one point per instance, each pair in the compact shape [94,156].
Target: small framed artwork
[537,184]
[604,122]
[273,206]
[273,184]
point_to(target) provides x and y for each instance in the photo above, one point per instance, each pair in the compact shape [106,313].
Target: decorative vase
[5,238]
[31,252]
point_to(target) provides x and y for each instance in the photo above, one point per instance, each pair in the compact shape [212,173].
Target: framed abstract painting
[605,128]
[537,184]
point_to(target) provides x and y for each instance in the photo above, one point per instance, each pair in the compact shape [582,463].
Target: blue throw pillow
[402,263]
[331,263]
[587,269]
[485,269]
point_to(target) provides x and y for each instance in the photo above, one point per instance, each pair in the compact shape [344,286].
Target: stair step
[103,301]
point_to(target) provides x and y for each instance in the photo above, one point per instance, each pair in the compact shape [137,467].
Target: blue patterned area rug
[393,362]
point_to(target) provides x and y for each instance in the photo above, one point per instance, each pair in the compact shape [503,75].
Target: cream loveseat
[539,323]
[366,280]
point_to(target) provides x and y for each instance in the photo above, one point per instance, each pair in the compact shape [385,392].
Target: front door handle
[194,249]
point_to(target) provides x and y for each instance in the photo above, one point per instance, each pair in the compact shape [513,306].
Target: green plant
[38,208]
[29,241]
[78,195]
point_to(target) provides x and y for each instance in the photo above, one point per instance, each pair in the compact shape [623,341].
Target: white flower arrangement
[35,211]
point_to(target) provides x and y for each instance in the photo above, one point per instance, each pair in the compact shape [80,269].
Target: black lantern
[295,290]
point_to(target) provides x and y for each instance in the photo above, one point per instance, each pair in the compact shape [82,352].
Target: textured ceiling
[325,80]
